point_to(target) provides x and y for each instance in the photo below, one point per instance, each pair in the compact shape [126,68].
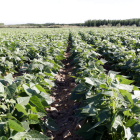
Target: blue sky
[66,11]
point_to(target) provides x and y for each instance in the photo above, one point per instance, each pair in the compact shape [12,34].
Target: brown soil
[62,109]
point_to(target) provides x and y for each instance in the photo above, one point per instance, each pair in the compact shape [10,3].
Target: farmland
[70,84]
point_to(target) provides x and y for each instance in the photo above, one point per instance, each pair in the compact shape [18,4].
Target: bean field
[71,84]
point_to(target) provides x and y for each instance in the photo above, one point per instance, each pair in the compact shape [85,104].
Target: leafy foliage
[110,105]
[29,63]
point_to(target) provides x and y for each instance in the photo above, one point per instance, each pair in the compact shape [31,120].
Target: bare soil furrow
[63,109]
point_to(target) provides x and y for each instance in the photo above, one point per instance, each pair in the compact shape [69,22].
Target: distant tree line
[88,23]
[76,24]
[127,22]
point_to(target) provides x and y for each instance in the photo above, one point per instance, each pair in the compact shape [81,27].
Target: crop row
[121,50]
[109,104]
[29,61]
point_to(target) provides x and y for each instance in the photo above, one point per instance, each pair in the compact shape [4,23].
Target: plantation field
[98,69]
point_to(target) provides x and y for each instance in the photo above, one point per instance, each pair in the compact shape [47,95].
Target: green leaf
[93,81]
[35,135]
[25,125]
[103,61]
[41,114]
[89,109]
[126,95]
[4,107]
[84,131]
[112,74]
[40,88]
[136,96]
[130,122]
[12,101]
[46,97]
[9,116]
[135,88]
[35,89]
[23,100]
[44,103]
[28,90]
[89,81]
[50,124]
[37,103]
[103,86]
[31,84]
[138,136]
[129,88]
[32,135]
[112,122]
[78,92]
[9,78]
[137,128]
[3,138]
[1,88]
[50,82]
[117,122]
[123,80]
[136,109]
[108,93]
[128,133]
[2,124]
[20,136]
[33,119]
[33,109]
[10,90]
[126,113]
[97,124]
[104,114]
[15,126]
[20,109]
[138,102]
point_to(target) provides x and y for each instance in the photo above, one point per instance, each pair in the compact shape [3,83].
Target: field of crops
[105,70]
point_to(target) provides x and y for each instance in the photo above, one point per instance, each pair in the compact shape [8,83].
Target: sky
[66,11]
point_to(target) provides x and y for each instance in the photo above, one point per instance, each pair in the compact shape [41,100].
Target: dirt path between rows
[62,109]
